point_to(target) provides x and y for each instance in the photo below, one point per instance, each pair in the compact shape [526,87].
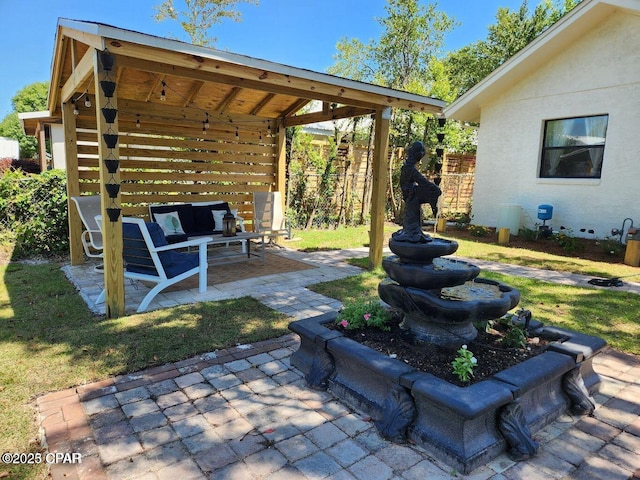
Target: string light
[204,128]
[87,102]
[206,124]
[137,120]
[75,108]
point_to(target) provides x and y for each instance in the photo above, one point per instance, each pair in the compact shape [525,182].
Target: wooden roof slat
[194,91]
[233,93]
[295,107]
[177,63]
[263,103]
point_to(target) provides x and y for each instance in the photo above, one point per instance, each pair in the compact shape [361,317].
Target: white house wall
[58,153]
[600,74]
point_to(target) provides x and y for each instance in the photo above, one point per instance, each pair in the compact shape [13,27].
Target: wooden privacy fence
[192,167]
[344,198]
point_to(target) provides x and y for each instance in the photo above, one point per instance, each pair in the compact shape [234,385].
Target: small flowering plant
[464,364]
[362,314]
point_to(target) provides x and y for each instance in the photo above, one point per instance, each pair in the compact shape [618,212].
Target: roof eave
[108,32]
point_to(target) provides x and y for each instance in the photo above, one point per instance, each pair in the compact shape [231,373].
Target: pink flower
[344,323]
[367,316]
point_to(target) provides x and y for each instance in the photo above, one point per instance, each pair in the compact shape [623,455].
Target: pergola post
[379,185]
[111,230]
[281,156]
[281,163]
[76,251]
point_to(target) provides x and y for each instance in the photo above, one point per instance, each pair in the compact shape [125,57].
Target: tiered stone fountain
[441,297]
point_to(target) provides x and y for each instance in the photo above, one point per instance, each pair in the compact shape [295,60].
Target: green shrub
[479,231]
[514,337]
[610,245]
[528,234]
[33,212]
[364,313]
[566,240]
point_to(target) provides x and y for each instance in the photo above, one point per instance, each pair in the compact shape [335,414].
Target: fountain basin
[465,427]
[445,316]
[439,273]
[423,253]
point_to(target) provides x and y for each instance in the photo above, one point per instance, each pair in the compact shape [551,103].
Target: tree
[32,98]
[199,16]
[512,31]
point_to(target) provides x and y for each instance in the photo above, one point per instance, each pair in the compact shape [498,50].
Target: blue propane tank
[545,212]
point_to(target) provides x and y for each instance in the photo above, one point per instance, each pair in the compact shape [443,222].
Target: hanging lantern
[228,225]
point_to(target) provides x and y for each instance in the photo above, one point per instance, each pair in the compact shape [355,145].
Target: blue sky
[301,33]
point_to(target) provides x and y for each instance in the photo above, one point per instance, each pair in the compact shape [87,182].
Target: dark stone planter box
[463,426]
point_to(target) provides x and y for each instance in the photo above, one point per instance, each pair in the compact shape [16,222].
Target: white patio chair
[149,258]
[268,215]
[88,207]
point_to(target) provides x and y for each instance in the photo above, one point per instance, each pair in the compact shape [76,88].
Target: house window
[574,147]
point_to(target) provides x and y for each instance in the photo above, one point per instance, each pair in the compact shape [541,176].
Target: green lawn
[50,341]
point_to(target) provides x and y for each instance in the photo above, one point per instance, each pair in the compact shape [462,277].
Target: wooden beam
[155,85]
[335,114]
[301,102]
[281,158]
[229,97]
[111,231]
[76,251]
[379,186]
[194,91]
[79,77]
[263,103]
[41,134]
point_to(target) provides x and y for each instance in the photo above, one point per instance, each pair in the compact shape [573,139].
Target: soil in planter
[491,354]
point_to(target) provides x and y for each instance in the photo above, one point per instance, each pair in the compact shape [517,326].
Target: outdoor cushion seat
[138,258]
[268,215]
[195,219]
[88,207]
[149,257]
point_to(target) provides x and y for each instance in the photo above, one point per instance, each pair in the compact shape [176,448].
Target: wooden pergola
[192,124]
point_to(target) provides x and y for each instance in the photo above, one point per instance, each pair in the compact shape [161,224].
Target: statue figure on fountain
[416,190]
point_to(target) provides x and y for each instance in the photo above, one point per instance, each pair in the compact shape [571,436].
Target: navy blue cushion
[137,256]
[176,263]
[135,252]
[178,238]
[204,220]
[185,214]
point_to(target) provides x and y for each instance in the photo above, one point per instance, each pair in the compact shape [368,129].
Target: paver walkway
[245,413]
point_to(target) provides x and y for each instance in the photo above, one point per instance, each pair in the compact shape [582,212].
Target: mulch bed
[436,360]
